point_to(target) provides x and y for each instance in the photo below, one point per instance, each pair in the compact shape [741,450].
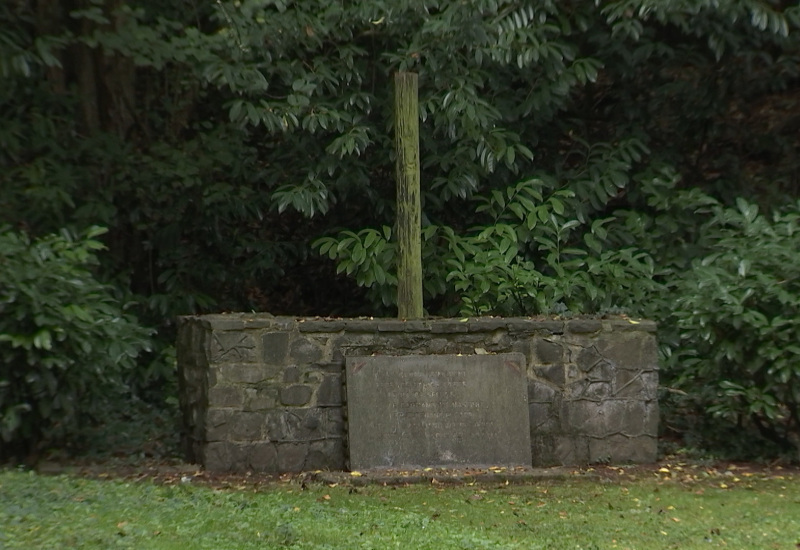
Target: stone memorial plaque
[438,410]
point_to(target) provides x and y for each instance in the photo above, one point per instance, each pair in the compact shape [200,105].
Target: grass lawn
[674,507]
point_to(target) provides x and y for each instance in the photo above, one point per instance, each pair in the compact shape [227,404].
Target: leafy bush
[66,343]
[734,328]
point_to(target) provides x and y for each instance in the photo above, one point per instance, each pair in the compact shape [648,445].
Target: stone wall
[265,393]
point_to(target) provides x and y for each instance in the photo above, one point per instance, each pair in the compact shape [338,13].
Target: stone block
[543,448]
[544,418]
[541,392]
[276,347]
[632,384]
[325,455]
[518,326]
[298,394]
[226,396]
[624,417]
[476,340]
[291,375]
[234,425]
[247,373]
[449,326]
[312,377]
[297,425]
[487,324]
[332,367]
[292,456]
[586,389]
[630,350]
[440,410]
[554,374]
[262,457]
[584,326]
[232,347]
[651,418]
[261,399]
[620,449]
[321,325]
[329,393]
[226,322]
[360,325]
[628,384]
[602,371]
[334,422]
[500,342]
[401,343]
[391,325]
[305,351]
[587,358]
[571,450]
[584,418]
[548,352]
[221,456]
[436,346]
[636,325]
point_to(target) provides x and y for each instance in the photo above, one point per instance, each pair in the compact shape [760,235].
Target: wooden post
[409,218]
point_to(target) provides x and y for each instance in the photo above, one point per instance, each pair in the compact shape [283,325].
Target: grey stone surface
[298,394]
[250,374]
[260,398]
[292,456]
[227,396]
[552,373]
[324,325]
[450,326]
[291,375]
[305,351]
[580,326]
[276,347]
[329,393]
[548,351]
[419,411]
[232,347]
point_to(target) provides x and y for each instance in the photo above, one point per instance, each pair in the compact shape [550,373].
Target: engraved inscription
[437,410]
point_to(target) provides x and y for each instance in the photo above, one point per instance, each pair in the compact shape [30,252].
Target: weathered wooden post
[409,224]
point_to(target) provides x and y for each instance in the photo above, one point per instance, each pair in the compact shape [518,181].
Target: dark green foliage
[66,342]
[735,325]
[574,157]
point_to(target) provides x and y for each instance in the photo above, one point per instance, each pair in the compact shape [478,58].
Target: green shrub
[66,343]
[734,330]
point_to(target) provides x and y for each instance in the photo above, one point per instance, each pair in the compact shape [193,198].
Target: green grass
[719,512]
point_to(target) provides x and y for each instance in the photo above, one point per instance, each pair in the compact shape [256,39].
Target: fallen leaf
[355,474]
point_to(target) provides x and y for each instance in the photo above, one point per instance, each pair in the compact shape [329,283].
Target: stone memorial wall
[268,393]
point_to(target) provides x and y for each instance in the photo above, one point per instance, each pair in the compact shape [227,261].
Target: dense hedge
[578,157]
